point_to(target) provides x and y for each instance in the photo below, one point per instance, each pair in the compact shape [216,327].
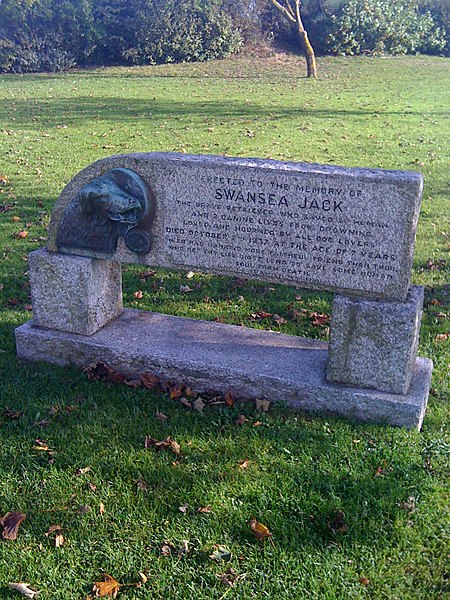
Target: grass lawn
[355,511]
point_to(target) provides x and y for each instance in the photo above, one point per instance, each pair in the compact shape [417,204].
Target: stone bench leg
[74,293]
[373,343]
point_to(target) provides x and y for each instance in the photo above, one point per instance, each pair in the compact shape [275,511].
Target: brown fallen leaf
[229,399]
[230,577]
[98,371]
[12,414]
[279,320]
[204,509]
[24,589]
[319,318]
[82,470]
[190,393]
[244,463]
[149,380]
[147,275]
[21,234]
[101,508]
[185,402]
[161,416]
[339,524]
[175,392]
[364,580]
[168,444]
[138,294]
[11,523]
[257,424]
[240,420]
[260,531]
[183,508]
[108,587]
[441,337]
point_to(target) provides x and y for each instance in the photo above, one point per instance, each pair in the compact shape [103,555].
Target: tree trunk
[309,54]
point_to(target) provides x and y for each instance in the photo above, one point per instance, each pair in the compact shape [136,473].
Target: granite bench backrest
[346,230]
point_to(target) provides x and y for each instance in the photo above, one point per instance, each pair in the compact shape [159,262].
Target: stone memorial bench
[349,231]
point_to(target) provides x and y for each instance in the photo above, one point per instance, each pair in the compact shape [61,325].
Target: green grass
[387,113]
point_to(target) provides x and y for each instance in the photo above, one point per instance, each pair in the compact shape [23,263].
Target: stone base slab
[214,356]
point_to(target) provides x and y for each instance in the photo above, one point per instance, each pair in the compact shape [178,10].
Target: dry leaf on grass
[168,444]
[262,405]
[319,319]
[240,420]
[279,320]
[138,294]
[364,580]
[229,399]
[244,464]
[149,380]
[339,524]
[199,405]
[24,589]
[59,538]
[82,470]
[221,553]
[11,523]
[260,531]
[108,587]
[101,508]
[204,509]
[21,234]
[161,416]
[185,289]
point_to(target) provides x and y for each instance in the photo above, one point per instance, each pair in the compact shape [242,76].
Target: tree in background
[384,27]
[292,11]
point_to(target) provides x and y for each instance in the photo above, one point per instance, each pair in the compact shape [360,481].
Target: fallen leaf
[319,318]
[339,524]
[167,549]
[168,443]
[108,587]
[190,393]
[199,405]
[183,508]
[161,416]
[82,470]
[12,414]
[244,464]
[185,289]
[11,523]
[15,219]
[149,380]
[24,589]
[230,577]
[139,294]
[240,420]
[147,275]
[185,402]
[221,553]
[364,580]
[190,275]
[184,548]
[229,399]
[261,531]
[175,392]
[279,320]
[204,509]
[101,508]
[53,529]
[257,424]
[262,405]
[133,383]
[441,337]
[21,234]
[143,576]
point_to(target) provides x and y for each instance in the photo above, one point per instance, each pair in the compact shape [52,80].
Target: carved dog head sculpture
[118,203]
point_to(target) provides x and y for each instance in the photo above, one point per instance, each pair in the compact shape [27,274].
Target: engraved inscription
[285,227]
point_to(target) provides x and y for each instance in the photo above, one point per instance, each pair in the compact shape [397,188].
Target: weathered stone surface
[74,293]
[373,343]
[248,362]
[323,227]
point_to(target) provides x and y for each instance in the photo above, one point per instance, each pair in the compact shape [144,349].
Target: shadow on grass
[122,110]
[304,469]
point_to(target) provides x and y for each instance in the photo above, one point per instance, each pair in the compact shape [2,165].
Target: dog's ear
[85,198]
